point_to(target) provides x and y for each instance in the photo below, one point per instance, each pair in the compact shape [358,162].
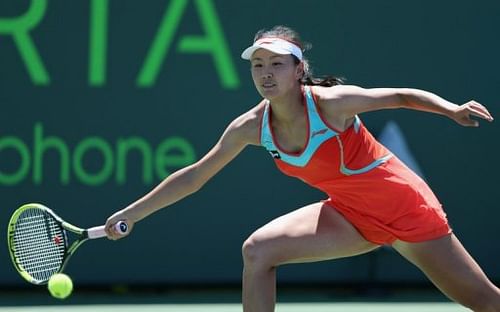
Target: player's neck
[286,109]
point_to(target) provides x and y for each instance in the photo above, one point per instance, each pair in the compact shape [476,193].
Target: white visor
[273,44]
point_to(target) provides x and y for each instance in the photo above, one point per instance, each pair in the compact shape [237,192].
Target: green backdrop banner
[100,100]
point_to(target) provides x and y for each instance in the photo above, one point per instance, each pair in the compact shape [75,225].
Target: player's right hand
[110,226]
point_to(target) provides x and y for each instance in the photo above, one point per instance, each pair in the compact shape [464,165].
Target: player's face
[274,74]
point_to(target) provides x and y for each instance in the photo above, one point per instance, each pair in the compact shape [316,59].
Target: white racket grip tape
[98,231]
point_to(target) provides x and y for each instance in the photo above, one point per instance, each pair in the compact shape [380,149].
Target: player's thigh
[451,268]
[312,233]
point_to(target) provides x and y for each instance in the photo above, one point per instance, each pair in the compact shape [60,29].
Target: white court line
[282,307]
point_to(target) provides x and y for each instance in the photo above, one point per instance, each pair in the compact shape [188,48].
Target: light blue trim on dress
[357,124]
[374,164]
[319,132]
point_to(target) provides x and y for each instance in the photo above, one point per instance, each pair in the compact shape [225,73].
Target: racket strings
[39,244]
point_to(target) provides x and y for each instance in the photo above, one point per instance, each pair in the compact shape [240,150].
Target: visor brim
[248,52]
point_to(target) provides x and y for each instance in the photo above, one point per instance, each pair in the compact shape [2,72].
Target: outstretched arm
[351,100]
[189,179]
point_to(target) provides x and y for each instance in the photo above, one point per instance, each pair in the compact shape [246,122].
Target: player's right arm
[242,131]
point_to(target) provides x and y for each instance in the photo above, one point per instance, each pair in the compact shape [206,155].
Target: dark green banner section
[102,99]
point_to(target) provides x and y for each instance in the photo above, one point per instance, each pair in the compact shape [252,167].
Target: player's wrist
[134,212]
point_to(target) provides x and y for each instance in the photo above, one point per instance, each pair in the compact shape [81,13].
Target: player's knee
[251,251]
[255,254]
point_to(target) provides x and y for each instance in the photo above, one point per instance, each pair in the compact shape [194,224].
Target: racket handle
[98,231]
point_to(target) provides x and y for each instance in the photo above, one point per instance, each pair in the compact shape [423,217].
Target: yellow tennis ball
[60,285]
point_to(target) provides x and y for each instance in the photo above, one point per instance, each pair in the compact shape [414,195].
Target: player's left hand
[463,114]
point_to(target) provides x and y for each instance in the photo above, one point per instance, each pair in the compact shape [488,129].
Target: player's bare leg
[450,267]
[312,233]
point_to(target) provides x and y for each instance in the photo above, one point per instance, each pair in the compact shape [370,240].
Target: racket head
[38,242]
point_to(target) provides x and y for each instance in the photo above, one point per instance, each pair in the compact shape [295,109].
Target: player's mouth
[268,85]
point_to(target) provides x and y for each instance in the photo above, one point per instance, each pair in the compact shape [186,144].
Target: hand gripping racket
[39,243]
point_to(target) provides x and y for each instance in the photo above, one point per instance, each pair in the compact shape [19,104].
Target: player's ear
[299,71]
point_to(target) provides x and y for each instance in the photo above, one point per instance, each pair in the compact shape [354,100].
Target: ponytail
[328,81]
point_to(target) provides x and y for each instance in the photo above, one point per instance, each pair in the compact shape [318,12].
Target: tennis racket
[39,243]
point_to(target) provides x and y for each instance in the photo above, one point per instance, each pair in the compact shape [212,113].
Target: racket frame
[65,226]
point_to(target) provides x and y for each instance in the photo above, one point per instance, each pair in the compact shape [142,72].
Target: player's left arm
[351,100]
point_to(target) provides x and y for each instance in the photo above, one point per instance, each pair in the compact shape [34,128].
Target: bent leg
[313,233]
[450,267]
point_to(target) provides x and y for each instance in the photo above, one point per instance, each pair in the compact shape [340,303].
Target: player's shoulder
[336,100]
[251,117]
[247,125]
[336,103]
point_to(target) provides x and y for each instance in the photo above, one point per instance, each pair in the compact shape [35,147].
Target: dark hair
[291,35]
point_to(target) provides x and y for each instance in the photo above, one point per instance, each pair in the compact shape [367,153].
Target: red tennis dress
[365,182]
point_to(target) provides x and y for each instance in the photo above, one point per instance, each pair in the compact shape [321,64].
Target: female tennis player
[312,130]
